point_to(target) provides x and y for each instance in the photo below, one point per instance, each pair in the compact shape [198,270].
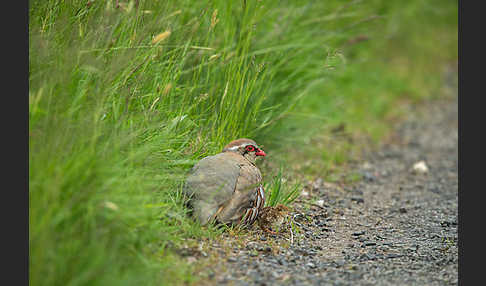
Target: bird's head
[245,147]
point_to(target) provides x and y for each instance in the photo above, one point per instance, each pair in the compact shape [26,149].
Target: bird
[227,188]
[271,219]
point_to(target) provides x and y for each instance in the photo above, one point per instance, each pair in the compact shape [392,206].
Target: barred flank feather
[252,213]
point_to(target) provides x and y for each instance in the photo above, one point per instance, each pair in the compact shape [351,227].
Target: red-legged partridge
[227,187]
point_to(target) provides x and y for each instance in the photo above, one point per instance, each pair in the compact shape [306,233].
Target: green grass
[280,192]
[115,121]
[401,59]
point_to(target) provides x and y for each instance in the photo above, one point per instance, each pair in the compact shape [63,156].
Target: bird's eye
[250,148]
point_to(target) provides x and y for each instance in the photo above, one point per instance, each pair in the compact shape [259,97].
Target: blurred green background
[124,99]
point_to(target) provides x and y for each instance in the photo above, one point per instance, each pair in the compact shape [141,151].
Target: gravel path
[394,227]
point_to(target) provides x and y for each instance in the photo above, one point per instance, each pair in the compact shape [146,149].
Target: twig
[291,236]
[291,232]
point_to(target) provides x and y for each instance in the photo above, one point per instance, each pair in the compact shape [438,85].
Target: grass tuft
[279,191]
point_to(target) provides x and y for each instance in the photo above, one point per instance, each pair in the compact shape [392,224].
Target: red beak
[260,152]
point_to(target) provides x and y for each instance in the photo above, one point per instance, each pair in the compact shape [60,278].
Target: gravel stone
[358,233]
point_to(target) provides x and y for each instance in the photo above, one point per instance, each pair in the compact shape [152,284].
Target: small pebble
[359,233]
[369,177]
[311,265]
[339,263]
[393,255]
[367,165]
[420,168]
